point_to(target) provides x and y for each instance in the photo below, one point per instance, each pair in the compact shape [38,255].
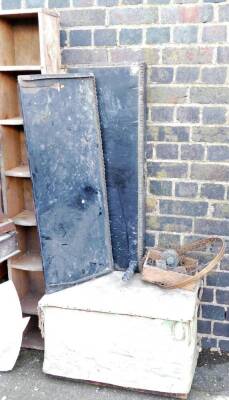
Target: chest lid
[109,294]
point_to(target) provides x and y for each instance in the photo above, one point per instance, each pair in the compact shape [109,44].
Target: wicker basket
[172,280]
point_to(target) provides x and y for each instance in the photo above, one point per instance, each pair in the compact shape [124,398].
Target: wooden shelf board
[25,218]
[22,171]
[27,262]
[19,68]
[32,336]
[29,303]
[12,121]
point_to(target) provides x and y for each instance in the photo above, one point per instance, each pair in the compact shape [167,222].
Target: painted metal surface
[120,91]
[66,163]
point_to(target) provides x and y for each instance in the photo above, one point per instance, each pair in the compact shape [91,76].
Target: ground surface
[27,382]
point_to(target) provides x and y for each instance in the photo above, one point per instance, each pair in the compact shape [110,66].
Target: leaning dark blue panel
[120,91]
[66,163]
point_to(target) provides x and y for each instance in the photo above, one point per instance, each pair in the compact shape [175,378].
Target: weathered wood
[144,337]
[6,225]
[8,246]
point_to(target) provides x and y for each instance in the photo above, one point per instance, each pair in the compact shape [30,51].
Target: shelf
[25,218]
[29,303]
[12,121]
[19,68]
[32,336]
[21,171]
[27,262]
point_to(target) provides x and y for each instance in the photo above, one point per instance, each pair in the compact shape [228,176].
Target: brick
[210,95]
[167,240]
[107,3]
[151,204]
[168,133]
[157,35]
[214,1]
[224,345]
[196,14]
[185,1]
[149,150]
[187,55]
[179,207]
[188,114]
[58,3]
[227,314]
[210,172]
[105,37]
[84,56]
[35,3]
[160,188]
[162,114]
[167,169]
[220,329]
[187,74]
[167,151]
[169,15]
[126,55]
[212,191]
[222,296]
[214,33]
[186,189]
[204,326]
[192,152]
[12,4]
[149,240]
[161,75]
[218,153]
[214,115]
[169,95]
[224,13]
[130,36]
[63,38]
[80,38]
[215,75]
[220,279]
[211,227]
[223,55]
[158,2]
[84,17]
[213,312]
[132,2]
[169,224]
[133,16]
[208,343]
[83,3]
[210,134]
[207,295]
[151,55]
[185,34]
[221,210]
[224,265]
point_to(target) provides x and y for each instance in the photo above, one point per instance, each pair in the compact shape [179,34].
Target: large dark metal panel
[120,91]
[66,163]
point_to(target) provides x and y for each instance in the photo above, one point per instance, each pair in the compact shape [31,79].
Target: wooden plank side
[49,43]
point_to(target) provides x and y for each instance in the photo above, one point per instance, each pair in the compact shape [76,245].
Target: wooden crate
[29,44]
[133,335]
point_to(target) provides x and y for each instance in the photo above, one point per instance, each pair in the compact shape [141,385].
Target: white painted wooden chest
[133,335]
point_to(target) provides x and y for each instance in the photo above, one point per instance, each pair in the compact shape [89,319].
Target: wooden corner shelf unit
[29,44]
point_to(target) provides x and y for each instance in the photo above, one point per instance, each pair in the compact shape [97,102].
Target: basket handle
[211,265]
